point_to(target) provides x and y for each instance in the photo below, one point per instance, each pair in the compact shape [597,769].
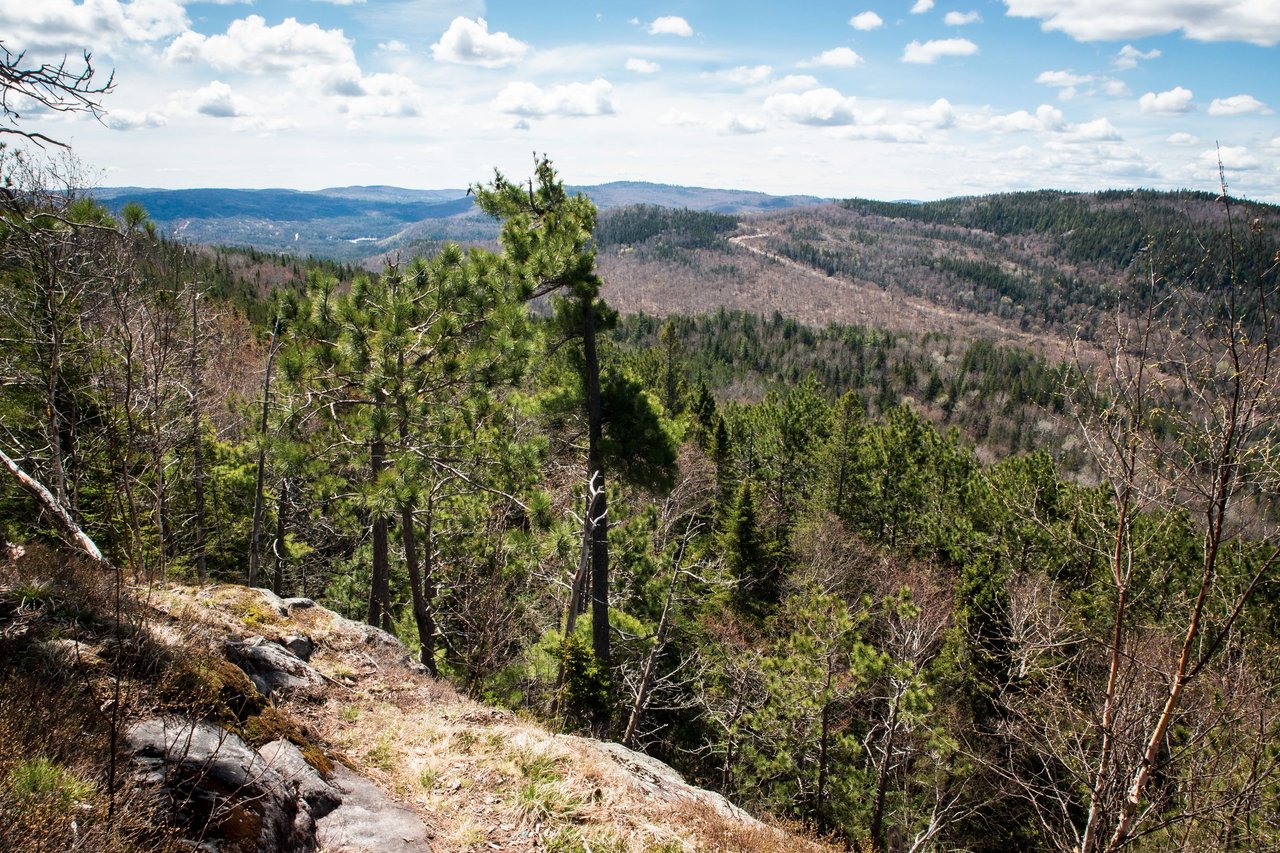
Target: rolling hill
[349,223]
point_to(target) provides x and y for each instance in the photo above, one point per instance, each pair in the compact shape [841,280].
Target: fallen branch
[61,517]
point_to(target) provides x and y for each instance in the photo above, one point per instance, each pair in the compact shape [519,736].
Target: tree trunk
[256,533]
[197,444]
[278,547]
[882,782]
[422,583]
[824,761]
[599,512]
[61,517]
[379,614]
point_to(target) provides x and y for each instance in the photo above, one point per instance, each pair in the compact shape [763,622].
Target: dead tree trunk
[62,519]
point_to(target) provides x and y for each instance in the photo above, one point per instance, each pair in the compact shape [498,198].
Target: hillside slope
[410,757]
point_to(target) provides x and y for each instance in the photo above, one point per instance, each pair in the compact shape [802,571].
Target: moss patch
[274,724]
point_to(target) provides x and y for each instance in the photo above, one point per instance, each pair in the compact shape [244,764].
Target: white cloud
[387,95]
[1115,88]
[1098,130]
[469,42]
[837,57]
[1065,82]
[574,99]
[133,120]
[931,51]
[960,19]
[794,83]
[895,133]
[1176,100]
[747,75]
[95,24]
[1129,57]
[1062,79]
[939,114]
[866,21]
[1253,21]
[250,45]
[1237,105]
[1046,118]
[820,107]
[643,66]
[670,25]
[677,118]
[341,80]
[1234,158]
[921,6]
[217,100]
[1181,139]
[393,46]
[738,125]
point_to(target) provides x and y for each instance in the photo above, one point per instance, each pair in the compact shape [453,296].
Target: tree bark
[379,613]
[421,582]
[256,533]
[197,443]
[599,512]
[61,517]
[278,548]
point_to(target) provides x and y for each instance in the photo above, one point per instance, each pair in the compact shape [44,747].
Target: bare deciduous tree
[63,87]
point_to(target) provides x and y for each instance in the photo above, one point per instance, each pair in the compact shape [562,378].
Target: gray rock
[218,789]
[286,759]
[665,782]
[368,821]
[273,668]
[297,604]
[371,635]
[272,600]
[300,646]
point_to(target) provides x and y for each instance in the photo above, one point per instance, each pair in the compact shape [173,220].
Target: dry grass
[481,779]
[63,656]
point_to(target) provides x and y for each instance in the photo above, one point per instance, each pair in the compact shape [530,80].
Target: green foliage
[800,739]
[746,557]
[586,691]
[639,442]
[663,230]
[40,780]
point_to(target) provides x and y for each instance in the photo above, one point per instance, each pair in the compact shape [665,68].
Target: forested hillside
[1032,269]
[759,546]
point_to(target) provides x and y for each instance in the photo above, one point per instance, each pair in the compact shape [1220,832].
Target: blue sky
[880,98]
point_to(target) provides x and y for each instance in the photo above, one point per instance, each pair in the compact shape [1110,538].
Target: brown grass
[56,710]
[481,778]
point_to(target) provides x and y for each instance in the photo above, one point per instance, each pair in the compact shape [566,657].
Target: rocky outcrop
[665,783]
[368,821]
[274,669]
[217,789]
[286,759]
[235,799]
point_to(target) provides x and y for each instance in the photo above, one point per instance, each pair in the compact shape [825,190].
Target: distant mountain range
[348,223]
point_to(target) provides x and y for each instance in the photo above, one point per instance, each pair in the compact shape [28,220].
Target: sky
[887,99]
